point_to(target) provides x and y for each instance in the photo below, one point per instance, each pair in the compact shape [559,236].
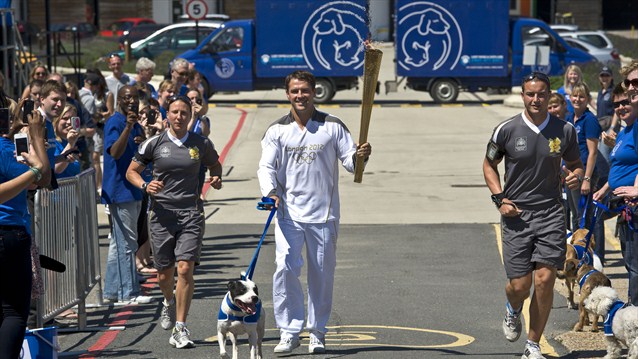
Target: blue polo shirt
[14,211]
[115,187]
[624,159]
[604,104]
[71,169]
[587,127]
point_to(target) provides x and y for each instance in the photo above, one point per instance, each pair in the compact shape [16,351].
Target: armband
[494,152]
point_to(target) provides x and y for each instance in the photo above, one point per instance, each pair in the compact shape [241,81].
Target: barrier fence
[66,230]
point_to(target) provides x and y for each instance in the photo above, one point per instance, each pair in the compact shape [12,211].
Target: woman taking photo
[66,137]
[622,178]
[15,237]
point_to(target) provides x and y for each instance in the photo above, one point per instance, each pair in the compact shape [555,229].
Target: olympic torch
[372,65]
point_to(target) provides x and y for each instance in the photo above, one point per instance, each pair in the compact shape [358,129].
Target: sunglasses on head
[182,98]
[633,82]
[536,76]
[622,103]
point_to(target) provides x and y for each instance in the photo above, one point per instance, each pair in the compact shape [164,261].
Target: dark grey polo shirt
[177,165]
[533,158]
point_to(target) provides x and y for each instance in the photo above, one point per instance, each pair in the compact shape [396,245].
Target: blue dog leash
[262,206]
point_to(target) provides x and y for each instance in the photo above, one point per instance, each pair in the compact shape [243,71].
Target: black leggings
[15,289]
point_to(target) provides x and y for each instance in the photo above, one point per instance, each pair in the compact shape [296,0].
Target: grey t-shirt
[114,85]
[533,158]
[177,165]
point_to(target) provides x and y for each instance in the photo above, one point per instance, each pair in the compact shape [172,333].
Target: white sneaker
[532,351]
[181,338]
[167,318]
[286,345]
[316,345]
[141,299]
[512,326]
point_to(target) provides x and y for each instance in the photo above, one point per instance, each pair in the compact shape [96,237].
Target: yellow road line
[546,348]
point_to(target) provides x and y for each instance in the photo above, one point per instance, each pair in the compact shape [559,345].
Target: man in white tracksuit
[299,170]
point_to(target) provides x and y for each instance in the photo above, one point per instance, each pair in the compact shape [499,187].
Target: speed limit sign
[196,9]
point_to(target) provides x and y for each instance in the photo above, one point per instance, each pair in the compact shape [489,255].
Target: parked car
[209,17]
[138,33]
[603,56]
[596,38]
[177,38]
[117,28]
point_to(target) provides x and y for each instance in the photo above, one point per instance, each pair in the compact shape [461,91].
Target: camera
[615,202]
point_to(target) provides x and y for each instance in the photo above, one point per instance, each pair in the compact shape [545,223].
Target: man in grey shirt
[115,81]
[533,144]
[176,217]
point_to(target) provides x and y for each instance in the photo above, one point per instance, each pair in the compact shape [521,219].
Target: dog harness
[583,255]
[610,317]
[248,319]
[582,280]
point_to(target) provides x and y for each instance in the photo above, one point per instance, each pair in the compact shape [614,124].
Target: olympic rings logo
[305,157]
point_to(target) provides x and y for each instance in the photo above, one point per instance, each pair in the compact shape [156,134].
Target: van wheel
[444,91]
[207,91]
[325,91]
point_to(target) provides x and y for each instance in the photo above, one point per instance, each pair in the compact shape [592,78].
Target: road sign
[196,9]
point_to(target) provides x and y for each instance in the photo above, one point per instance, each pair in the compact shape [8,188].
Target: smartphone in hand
[151,116]
[27,108]
[22,145]
[4,121]
[75,123]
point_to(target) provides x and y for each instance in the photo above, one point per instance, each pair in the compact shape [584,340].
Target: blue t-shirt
[115,187]
[71,169]
[14,211]
[624,159]
[587,127]
[570,107]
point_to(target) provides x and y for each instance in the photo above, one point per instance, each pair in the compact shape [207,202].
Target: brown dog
[588,279]
[572,258]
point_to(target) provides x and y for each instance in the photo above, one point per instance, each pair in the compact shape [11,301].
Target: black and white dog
[241,313]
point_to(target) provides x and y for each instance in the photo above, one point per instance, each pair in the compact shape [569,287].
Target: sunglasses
[537,75]
[622,103]
[182,98]
[633,82]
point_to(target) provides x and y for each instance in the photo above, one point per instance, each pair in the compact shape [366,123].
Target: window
[230,39]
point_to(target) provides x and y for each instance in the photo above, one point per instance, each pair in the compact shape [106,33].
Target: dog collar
[610,317]
[248,319]
[582,280]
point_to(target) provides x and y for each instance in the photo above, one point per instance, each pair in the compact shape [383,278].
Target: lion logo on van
[432,38]
[333,36]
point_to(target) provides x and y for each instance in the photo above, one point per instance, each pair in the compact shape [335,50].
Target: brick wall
[239,9]
[587,14]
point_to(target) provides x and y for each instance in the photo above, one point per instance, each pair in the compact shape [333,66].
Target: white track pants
[288,297]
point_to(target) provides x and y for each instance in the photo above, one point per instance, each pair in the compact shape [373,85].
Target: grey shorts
[536,236]
[175,236]
[98,140]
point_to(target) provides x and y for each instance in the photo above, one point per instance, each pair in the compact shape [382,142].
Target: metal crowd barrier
[66,229]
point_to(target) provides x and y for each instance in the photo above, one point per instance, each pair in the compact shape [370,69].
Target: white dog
[621,321]
[241,313]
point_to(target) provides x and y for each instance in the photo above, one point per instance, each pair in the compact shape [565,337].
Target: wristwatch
[498,199]
[587,178]
[144,185]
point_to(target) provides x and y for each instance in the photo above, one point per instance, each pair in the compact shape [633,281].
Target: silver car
[597,39]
